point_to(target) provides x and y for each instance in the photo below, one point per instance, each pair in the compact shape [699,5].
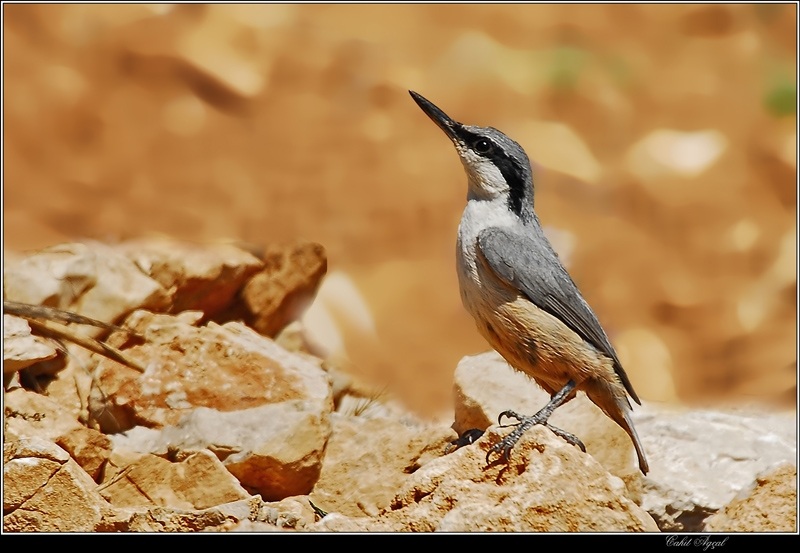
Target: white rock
[20,348]
[91,279]
[701,459]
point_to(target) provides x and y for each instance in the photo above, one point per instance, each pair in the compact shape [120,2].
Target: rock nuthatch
[522,299]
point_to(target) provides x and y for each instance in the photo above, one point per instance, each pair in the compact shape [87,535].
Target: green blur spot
[566,66]
[620,71]
[781,96]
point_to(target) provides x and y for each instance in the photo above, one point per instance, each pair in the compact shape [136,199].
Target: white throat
[484,179]
[480,214]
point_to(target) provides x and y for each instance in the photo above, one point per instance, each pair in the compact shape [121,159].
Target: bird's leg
[507,444]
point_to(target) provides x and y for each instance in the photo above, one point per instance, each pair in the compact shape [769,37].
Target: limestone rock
[70,386]
[20,348]
[293,513]
[243,515]
[198,482]
[46,491]
[164,519]
[548,485]
[224,367]
[335,522]
[32,415]
[768,505]
[275,450]
[700,459]
[119,459]
[291,461]
[203,278]
[91,279]
[285,287]
[89,448]
[368,460]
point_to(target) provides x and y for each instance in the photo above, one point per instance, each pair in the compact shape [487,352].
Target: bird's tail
[627,424]
[615,404]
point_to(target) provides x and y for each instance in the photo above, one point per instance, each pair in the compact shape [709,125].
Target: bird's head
[496,166]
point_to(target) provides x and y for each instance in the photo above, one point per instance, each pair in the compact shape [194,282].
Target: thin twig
[38,312]
[56,330]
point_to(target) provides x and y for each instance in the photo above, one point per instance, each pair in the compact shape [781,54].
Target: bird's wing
[531,266]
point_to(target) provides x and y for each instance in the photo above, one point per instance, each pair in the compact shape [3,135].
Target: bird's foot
[523,423]
[467,437]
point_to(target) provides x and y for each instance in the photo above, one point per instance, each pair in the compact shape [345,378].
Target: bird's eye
[482,146]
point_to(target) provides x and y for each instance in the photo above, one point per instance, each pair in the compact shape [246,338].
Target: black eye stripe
[515,178]
[512,171]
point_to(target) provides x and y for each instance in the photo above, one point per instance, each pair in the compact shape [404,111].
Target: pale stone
[90,279]
[548,486]
[225,367]
[700,459]
[46,491]
[201,277]
[768,505]
[275,450]
[89,448]
[282,291]
[198,482]
[21,348]
[368,459]
[29,415]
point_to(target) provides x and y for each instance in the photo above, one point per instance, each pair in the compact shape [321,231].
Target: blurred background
[663,137]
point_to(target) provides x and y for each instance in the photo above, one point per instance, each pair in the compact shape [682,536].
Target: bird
[523,300]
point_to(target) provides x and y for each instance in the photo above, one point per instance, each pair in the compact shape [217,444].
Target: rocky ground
[218,416]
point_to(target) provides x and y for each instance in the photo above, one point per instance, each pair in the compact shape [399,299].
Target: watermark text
[706,543]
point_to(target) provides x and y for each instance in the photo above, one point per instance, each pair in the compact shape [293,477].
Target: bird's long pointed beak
[439,117]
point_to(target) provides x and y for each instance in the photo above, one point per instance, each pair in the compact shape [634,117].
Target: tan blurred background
[664,139]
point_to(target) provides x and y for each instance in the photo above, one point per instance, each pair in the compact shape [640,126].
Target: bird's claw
[511,415]
[569,438]
[503,445]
